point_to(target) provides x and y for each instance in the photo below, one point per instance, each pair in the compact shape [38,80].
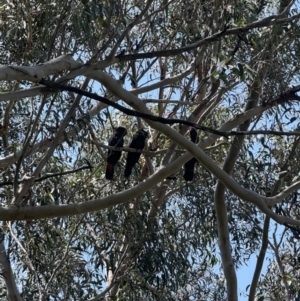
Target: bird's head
[143,132]
[121,130]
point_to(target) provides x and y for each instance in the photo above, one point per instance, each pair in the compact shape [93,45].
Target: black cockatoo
[189,166]
[137,142]
[113,156]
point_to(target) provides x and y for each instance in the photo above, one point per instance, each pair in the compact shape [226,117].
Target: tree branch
[35,73]
[7,273]
[268,21]
[281,98]
[50,175]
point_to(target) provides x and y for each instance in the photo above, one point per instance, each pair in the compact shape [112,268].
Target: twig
[50,175]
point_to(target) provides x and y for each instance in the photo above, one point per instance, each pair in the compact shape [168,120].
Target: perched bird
[137,142]
[189,166]
[113,156]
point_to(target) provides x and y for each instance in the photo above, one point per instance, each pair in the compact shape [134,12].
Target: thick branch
[53,211]
[49,211]
[35,73]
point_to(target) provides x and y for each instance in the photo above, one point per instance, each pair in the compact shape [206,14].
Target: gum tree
[72,72]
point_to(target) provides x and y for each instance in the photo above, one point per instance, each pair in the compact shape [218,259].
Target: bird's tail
[109,171]
[188,174]
[127,171]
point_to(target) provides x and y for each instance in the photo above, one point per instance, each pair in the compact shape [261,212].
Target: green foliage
[163,244]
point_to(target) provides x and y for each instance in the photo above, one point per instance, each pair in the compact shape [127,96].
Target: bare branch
[271,201]
[50,175]
[283,97]
[268,21]
[35,73]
